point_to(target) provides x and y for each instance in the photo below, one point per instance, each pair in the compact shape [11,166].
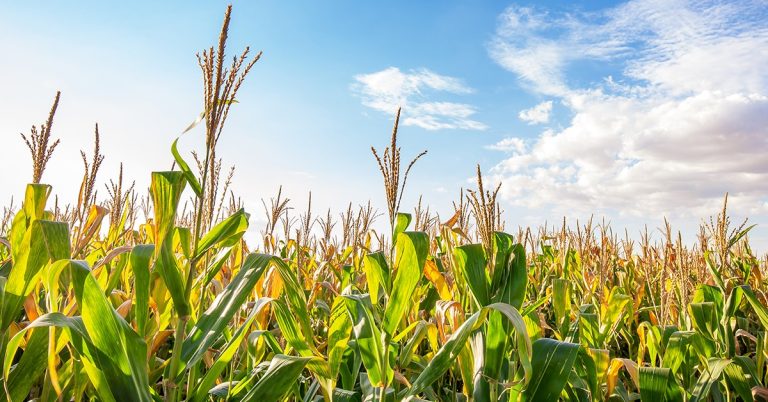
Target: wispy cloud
[537,114]
[390,88]
[684,121]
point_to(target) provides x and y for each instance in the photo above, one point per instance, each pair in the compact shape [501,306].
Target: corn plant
[136,297]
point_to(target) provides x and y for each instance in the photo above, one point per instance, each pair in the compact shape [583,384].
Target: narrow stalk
[175,357]
[384,357]
[191,380]
[181,325]
[3,343]
[45,394]
[200,205]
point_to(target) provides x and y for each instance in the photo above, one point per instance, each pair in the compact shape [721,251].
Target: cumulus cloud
[511,145]
[684,121]
[390,88]
[537,114]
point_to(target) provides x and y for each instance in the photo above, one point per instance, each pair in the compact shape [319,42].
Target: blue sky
[629,110]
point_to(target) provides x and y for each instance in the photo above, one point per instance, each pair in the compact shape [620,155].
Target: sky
[626,111]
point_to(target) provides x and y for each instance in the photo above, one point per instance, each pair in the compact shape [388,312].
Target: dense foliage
[98,304]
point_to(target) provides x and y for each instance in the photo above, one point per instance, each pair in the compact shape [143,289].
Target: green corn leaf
[714,270]
[339,330]
[411,253]
[30,367]
[592,365]
[376,274]
[510,279]
[470,261]
[211,324]
[140,262]
[494,353]
[182,239]
[342,395]
[290,331]
[304,346]
[369,340]
[677,350]
[269,338]
[35,198]
[294,294]
[126,368]
[225,233]
[704,318]
[653,383]
[280,377]
[188,174]
[43,243]
[552,362]
[214,266]
[518,278]
[742,376]
[710,375]
[561,300]
[734,301]
[502,250]
[712,294]
[223,390]
[738,236]
[589,326]
[402,221]
[410,347]
[169,269]
[32,209]
[658,384]
[522,340]
[166,189]
[91,357]
[227,353]
[447,354]
[612,314]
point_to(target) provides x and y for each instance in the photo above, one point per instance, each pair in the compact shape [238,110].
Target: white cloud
[511,145]
[390,88]
[685,121]
[537,114]
[659,41]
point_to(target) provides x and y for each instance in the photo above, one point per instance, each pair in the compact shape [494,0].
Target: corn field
[157,296]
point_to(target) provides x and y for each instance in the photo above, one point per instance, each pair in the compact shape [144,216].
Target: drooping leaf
[126,366]
[30,367]
[402,221]
[43,243]
[188,174]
